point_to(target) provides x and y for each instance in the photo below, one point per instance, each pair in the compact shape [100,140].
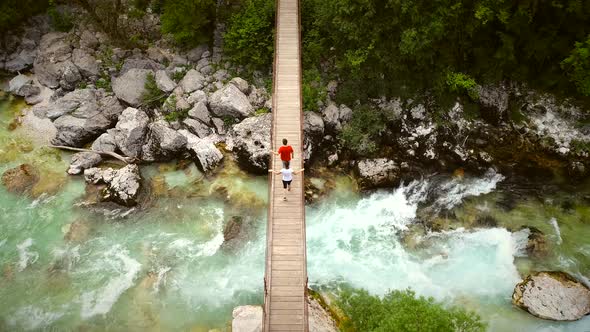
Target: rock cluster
[122,185]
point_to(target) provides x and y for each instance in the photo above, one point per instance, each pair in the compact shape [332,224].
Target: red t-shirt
[285,151]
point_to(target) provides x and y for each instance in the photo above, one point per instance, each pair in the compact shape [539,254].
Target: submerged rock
[377,172]
[122,185]
[537,245]
[247,318]
[552,295]
[232,229]
[83,160]
[20,179]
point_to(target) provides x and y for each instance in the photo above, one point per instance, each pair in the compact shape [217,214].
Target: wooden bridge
[285,281]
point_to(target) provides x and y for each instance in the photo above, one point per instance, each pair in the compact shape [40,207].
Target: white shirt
[287,174]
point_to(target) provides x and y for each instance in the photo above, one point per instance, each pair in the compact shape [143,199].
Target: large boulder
[88,40]
[20,61]
[247,318]
[192,81]
[66,104]
[86,63]
[130,86]
[140,63]
[53,66]
[197,127]
[162,142]
[495,98]
[378,172]
[122,186]
[335,117]
[83,160]
[230,101]
[23,86]
[203,150]
[129,134]
[250,143]
[20,179]
[86,122]
[319,319]
[552,295]
[313,133]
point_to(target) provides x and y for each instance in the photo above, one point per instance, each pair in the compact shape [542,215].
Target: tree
[190,22]
[13,12]
[577,65]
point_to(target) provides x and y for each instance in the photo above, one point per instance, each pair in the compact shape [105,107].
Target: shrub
[152,96]
[60,20]
[190,22]
[577,65]
[403,311]
[313,90]
[176,115]
[459,82]
[12,12]
[363,132]
[262,110]
[104,82]
[249,37]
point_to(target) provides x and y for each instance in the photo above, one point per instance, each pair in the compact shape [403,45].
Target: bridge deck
[285,303]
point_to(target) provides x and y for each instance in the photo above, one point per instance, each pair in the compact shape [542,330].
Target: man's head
[284,141]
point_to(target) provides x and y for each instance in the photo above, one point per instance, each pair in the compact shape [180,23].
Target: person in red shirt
[286,152]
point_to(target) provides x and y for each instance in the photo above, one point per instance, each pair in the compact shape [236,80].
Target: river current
[166,268]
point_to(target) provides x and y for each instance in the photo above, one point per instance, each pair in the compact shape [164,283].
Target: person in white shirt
[287,173]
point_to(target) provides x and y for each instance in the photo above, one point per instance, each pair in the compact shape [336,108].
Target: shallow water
[165,268]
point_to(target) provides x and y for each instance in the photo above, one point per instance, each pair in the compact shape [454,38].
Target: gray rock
[195,54]
[17,82]
[345,114]
[66,104]
[197,127]
[207,70]
[203,151]
[156,54]
[219,126]
[162,142]
[418,112]
[258,97]
[86,63]
[197,96]
[178,60]
[241,84]
[30,92]
[319,319]
[55,46]
[129,134]
[331,88]
[221,75]
[88,40]
[105,142]
[377,172]
[193,80]
[250,143]
[313,133]
[495,97]
[204,62]
[83,160]
[140,63]
[130,86]
[331,115]
[87,121]
[552,295]
[56,74]
[230,101]
[200,112]
[122,185]
[20,61]
[247,318]
[164,82]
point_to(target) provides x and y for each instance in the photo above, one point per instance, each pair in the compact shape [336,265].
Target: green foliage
[176,115]
[376,47]
[577,64]
[362,134]
[459,82]
[178,75]
[152,95]
[262,110]
[60,20]
[13,12]
[189,21]
[104,82]
[249,37]
[313,91]
[403,311]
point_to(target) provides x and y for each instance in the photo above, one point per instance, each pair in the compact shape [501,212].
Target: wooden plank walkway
[285,281]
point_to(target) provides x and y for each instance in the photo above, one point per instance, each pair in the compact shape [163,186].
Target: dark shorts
[286,183]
